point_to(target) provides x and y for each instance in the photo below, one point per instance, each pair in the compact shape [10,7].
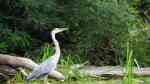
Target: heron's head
[57,30]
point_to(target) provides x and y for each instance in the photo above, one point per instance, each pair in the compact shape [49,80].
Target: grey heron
[49,65]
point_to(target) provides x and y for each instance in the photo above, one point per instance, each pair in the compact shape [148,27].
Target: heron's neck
[57,48]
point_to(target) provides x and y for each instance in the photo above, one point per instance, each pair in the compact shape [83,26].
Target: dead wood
[6,72]
[116,71]
[16,62]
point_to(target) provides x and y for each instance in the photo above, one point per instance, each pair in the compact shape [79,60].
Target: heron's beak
[63,29]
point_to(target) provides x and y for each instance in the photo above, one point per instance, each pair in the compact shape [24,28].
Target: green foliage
[46,52]
[141,46]
[41,11]
[13,40]
[94,21]
[128,78]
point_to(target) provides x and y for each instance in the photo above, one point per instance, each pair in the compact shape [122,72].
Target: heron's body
[49,65]
[43,69]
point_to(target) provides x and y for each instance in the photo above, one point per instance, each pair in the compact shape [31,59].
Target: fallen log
[6,73]
[15,62]
[116,71]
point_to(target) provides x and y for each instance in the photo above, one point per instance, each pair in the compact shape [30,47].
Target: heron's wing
[37,73]
[43,69]
[49,64]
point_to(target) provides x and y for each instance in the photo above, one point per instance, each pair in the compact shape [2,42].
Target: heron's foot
[46,82]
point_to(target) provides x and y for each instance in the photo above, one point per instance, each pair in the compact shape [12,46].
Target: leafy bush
[14,42]
[94,21]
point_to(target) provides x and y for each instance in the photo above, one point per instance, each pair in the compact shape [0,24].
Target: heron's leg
[46,80]
[26,82]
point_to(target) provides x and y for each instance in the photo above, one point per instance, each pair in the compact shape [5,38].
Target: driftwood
[16,61]
[6,72]
[107,71]
[12,63]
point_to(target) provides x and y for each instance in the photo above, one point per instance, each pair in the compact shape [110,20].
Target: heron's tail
[30,77]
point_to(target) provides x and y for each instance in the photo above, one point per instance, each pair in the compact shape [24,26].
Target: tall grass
[46,51]
[128,68]
[19,77]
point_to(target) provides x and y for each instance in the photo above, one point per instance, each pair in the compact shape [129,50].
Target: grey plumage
[49,65]
[43,69]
